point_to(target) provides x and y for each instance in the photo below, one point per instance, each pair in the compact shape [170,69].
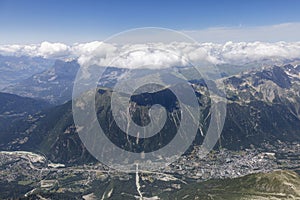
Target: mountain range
[17,68]
[263,107]
[260,135]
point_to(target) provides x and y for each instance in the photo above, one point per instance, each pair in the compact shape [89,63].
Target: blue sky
[32,21]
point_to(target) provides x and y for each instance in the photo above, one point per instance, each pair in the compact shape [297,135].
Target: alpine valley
[256,157]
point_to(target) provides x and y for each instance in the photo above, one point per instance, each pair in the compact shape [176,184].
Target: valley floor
[224,174]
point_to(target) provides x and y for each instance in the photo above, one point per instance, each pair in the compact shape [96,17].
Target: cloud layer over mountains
[159,54]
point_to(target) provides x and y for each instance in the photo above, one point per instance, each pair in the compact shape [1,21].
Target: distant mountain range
[52,81]
[15,69]
[55,85]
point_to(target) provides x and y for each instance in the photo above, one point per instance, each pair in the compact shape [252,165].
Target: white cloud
[48,50]
[159,54]
[94,52]
[213,46]
[15,49]
[150,55]
[243,52]
[45,49]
